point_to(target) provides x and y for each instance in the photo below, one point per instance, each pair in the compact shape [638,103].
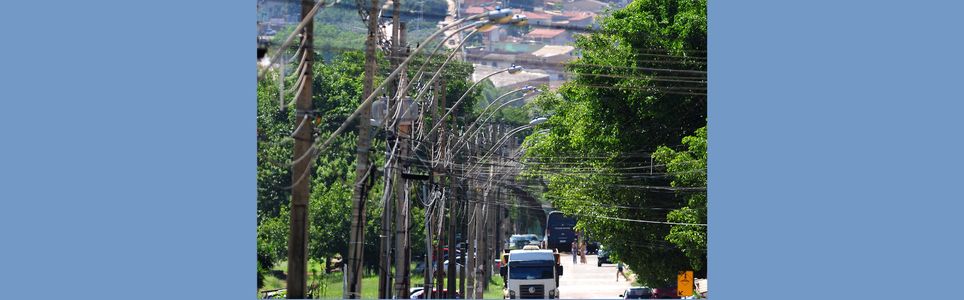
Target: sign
[684,284]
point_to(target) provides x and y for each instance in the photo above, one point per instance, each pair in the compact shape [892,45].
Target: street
[587,281]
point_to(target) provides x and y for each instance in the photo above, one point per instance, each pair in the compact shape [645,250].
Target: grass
[330,285]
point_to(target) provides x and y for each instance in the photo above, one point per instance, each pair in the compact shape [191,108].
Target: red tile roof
[537,15]
[474,10]
[545,33]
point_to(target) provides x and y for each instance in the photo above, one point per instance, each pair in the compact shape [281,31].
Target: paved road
[587,281]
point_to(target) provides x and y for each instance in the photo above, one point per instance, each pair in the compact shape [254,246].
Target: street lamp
[511,70]
[493,16]
[469,133]
[478,26]
[531,124]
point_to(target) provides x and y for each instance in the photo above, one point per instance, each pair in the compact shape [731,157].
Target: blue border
[128,149]
[835,149]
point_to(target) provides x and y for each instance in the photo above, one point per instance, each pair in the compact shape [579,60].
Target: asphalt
[587,281]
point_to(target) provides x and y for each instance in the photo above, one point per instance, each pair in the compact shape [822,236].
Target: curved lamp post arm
[499,16]
[462,139]
[531,124]
[440,69]
[502,140]
[492,113]
[368,101]
[467,91]
[483,122]
[291,37]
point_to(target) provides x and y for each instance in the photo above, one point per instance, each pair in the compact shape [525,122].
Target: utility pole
[300,176]
[356,244]
[451,235]
[440,101]
[430,272]
[384,263]
[385,272]
[490,227]
[473,242]
[401,189]
[427,273]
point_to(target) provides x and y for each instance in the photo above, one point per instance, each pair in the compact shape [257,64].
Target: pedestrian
[582,252]
[619,271]
[574,252]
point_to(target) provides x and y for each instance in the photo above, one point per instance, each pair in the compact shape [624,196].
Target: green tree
[337,88]
[689,170]
[639,84]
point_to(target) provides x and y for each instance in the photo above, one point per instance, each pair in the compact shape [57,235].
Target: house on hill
[585,5]
[548,36]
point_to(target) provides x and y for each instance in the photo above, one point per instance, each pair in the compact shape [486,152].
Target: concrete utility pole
[385,273]
[451,234]
[356,244]
[304,138]
[384,248]
[473,232]
[427,273]
[440,155]
[401,189]
[490,225]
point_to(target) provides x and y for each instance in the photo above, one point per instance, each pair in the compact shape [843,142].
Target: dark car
[592,248]
[637,293]
[668,292]
[602,258]
[420,294]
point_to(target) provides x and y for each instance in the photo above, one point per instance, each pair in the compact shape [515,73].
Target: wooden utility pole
[356,244]
[300,176]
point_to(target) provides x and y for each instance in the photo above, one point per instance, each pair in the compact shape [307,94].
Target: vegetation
[609,153]
[624,148]
[337,88]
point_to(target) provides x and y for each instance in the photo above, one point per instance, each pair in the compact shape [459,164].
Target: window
[530,272]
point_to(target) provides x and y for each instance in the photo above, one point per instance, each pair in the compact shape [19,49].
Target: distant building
[585,5]
[474,10]
[548,36]
[505,82]
[580,19]
[538,18]
[475,2]
[497,60]
[551,54]
[550,59]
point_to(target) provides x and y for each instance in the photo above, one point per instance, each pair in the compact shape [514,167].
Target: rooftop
[473,10]
[576,16]
[505,79]
[585,5]
[545,33]
[553,50]
[533,15]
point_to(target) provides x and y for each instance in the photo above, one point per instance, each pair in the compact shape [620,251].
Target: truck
[531,273]
[559,231]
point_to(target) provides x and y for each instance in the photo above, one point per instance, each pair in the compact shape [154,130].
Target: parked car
[668,292]
[517,241]
[592,248]
[412,291]
[602,258]
[637,293]
[445,295]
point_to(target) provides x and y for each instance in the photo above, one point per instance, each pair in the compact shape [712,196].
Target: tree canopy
[638,89]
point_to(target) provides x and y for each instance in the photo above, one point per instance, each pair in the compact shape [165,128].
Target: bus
[559,231]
